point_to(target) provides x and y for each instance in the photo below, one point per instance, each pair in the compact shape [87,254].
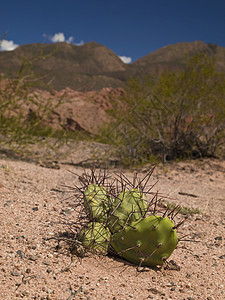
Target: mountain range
[93,66]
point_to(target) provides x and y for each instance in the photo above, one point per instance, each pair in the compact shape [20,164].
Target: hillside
[87,67]
[174,56]
[93,66]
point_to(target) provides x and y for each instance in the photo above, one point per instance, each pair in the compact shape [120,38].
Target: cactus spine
[115,216]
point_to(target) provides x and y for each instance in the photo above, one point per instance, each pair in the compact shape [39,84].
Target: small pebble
[11,254]
[32,258]
[45,262]
[28,271]
[14,273]
[49,270]
[197,256]
[20,253]
[66,211]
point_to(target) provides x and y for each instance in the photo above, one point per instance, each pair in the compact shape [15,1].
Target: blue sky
[130,28]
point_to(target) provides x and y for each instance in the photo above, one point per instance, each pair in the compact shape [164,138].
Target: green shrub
[24,114]
[176,115]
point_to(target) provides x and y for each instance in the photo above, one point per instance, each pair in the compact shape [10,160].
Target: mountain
[174,56]
[87,67]
[93,66]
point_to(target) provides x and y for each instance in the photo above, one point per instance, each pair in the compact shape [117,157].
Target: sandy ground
[33,207]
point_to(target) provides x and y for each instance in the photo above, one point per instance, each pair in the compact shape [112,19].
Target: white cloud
[58,37]
[7,45]
[70,40]
[79,44]
[126,59]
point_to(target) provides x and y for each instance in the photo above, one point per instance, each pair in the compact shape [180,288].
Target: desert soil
[34,207]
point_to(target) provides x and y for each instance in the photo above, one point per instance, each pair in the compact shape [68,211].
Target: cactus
[95,238]
[147,242]
[129,206]
[96,202]
[114,216]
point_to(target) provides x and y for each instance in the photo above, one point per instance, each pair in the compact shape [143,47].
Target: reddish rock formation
[73,110]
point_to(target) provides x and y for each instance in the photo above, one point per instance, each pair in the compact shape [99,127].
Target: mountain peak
[93,66]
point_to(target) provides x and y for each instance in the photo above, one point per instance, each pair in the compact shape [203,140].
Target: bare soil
[34,207]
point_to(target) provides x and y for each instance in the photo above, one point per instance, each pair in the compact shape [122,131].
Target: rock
[79,111]
[14,273]
[20,253]
[49,270]
[45,262]
[28,271]
[32,258]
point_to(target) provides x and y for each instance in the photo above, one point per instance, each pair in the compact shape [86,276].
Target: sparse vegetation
[172,116]
[176,115]
[25,114]
[22,114]
[184,210]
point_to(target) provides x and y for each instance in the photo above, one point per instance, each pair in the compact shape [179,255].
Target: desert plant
[116,216]
[25,113]
[176,115]
[148,242]
[95,237]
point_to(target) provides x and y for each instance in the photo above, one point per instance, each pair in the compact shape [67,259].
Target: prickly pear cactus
[95,237]
[96,202]
[113,215]
[129,206]
[147,242]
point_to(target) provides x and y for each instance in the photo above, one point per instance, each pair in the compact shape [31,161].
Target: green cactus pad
[128,207]
[96,202]
[95,238]
[147,242]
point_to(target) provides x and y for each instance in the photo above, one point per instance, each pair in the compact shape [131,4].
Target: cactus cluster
[115,215]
